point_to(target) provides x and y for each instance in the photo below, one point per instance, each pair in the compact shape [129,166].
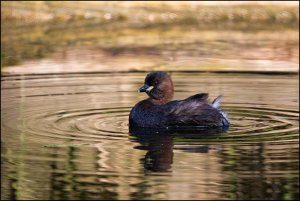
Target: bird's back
[193,111]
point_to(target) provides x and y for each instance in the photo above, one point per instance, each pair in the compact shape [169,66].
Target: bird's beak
[145,88]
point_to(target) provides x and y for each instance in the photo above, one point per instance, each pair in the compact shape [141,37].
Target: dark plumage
[158,111]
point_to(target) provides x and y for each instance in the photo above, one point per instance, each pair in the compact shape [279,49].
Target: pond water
[65,136]
[70,74]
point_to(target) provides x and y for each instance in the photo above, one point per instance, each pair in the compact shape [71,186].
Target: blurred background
[70,73]
[56,36]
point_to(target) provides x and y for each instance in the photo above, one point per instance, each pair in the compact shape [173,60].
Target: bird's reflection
[159,156]
[159,145]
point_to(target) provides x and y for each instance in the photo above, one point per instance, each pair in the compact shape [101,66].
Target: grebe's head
[159,87]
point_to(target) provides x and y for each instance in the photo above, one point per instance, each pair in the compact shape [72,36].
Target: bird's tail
[216,102]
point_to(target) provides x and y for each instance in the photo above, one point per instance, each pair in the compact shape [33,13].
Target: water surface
[70,74]
[65,136]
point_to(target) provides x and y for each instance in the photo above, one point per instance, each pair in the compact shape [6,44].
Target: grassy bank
[35,29]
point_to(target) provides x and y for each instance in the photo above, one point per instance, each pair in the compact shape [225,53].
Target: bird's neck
[167,97]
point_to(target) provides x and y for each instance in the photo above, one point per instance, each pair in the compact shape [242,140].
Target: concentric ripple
[107,123]
[97,120]
[248,124]
[262,123]
[70,131]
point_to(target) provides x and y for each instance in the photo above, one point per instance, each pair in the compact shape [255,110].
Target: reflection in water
[65,136]
[64,132]
[159,156]
[159,145]
[257,172]
[249,171]
[65,182]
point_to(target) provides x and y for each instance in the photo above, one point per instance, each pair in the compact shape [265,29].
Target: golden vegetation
[35,29]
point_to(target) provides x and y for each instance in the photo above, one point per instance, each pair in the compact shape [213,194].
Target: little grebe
[158,111]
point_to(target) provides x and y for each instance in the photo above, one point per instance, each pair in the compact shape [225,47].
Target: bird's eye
[155,82]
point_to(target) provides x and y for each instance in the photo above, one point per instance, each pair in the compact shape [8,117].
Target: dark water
[65,136]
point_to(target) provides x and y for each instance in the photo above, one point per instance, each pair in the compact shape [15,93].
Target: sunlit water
[65,136]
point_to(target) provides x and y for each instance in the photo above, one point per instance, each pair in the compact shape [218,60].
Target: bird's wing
[198,97]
